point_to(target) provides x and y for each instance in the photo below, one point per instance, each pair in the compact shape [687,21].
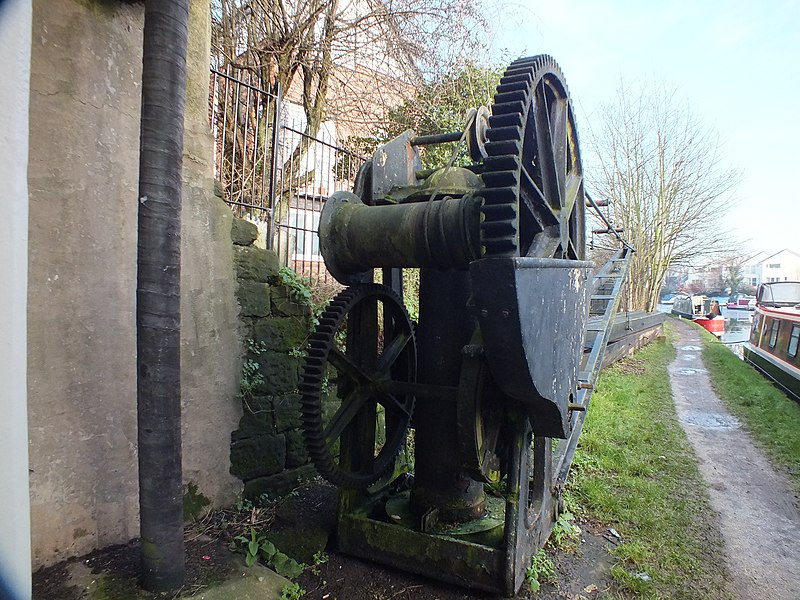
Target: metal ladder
[603,305]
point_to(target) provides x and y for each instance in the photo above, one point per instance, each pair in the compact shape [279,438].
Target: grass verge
[635,471]
[772,418]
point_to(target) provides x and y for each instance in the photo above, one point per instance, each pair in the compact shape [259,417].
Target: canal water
[737,325]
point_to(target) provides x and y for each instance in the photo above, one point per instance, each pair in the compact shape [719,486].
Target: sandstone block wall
[267,450]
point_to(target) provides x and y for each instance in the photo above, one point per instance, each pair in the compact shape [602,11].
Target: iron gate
[272,172]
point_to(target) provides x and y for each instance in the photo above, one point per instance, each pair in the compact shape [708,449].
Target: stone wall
[83,173]
[211,334]
[83,170]
[267,450]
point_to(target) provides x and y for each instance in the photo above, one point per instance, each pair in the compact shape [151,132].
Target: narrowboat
[702,310]
[741,302]
[668,299]
[775,334]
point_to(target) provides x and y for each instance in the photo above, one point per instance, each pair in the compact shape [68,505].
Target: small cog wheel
[355,399]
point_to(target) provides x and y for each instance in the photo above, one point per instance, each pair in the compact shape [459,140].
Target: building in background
[273,168]
[751,269]
[715,276]
[781,266]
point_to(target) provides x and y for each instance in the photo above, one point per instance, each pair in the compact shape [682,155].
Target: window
[773,333]
[793,340]
[303,224]
[774,266]
[755,331]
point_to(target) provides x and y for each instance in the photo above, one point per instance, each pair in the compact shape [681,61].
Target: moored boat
[775,335]
[741,302]
[702,310]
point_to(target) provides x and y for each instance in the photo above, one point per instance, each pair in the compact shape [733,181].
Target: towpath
[758,512]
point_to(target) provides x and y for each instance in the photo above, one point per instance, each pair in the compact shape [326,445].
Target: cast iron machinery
[495,368]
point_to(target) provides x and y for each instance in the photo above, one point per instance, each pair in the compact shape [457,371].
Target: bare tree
[661,172]
[344,60]
[349,45]
[439,105]
[732,272]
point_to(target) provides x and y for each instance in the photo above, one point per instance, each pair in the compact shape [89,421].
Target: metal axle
[440,234]
[439,138]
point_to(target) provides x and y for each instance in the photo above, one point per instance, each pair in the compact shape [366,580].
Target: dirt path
[759,517]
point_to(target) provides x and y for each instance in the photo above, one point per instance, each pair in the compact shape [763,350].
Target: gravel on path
[759,517]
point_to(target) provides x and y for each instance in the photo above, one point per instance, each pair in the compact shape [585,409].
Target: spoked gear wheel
[371,409]
[479,417]
[534,199]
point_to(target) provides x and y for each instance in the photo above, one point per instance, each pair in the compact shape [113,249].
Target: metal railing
[311,169]
[272,172]
[245,125]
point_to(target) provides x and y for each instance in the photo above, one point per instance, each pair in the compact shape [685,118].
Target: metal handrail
[619,265]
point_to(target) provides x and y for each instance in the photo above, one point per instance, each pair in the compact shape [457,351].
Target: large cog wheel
[534,198]
[370,408]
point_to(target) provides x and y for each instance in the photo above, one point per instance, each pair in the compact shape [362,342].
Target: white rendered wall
[15,48]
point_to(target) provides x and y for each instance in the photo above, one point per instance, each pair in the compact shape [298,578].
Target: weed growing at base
[258,546]
[542,569]
[772,418]
[635,471]
[292,591]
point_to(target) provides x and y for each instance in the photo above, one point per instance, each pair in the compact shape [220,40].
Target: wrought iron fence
[312,168]
[245,125]
[272,172]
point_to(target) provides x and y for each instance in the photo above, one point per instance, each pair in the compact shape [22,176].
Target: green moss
[193,502]
[150,550]
[105,587]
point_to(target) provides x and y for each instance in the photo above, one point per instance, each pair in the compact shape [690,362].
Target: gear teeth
[499,212]
[504,195]
[523,78]
[515,86]
[503,148]
[506,120]
[510,97]
[499,247]
[320,344]
[499,232]
[508,107]
[500,229]
[500,163]
[500,134]
[494,179]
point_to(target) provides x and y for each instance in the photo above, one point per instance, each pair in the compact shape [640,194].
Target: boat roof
[787,313]
[779,294]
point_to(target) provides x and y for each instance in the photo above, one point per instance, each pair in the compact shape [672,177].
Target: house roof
[779,252]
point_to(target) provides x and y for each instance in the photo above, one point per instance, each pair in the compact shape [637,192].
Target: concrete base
[253,583]
[244,583]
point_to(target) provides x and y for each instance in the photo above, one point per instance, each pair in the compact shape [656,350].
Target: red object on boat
[715,325]
[698,308]
[741,302]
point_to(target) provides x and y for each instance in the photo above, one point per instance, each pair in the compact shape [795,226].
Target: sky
[736,64]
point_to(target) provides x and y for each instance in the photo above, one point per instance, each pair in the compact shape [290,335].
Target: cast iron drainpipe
[158,318]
